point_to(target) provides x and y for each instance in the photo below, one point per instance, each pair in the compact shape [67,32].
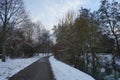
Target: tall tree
[109,16]
[65,36]
[79,39]
[12,13]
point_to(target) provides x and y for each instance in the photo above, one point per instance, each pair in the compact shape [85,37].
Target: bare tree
[109,16]
[12,13]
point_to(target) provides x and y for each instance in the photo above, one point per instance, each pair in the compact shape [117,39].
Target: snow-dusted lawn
[107,58]
[12,66]
[63,71]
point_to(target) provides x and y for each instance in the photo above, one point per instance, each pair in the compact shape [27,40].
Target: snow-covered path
[12,66]
[39,70]
[60,70]
[63,71]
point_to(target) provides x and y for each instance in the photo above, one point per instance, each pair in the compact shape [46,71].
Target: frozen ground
[63,71]
[12,66]
[107,58]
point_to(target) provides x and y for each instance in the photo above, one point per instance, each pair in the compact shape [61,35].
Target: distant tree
[46,41]
[12,13]
[28,28]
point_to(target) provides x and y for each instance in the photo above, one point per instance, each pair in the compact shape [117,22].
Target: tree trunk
[4,34]
[93,63]
[117,44]
[3,51]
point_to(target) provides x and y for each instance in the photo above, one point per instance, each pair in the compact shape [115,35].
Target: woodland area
[81,38]
[19,36]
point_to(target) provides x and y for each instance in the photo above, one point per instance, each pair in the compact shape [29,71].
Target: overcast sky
[50,11]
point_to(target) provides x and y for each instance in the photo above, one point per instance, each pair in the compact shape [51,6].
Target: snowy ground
[63,71]
[12,66]
[107,58]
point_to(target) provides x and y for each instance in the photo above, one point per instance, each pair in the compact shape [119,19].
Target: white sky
[50,11]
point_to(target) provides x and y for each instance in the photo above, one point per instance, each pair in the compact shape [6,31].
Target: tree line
[88,34]
[19,35]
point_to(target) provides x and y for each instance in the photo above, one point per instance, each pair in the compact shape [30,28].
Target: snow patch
[63,71]
[12,66]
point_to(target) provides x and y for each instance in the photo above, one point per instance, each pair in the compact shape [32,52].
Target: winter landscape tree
[18,33]
[12,13]
[109,14]
[81,41]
